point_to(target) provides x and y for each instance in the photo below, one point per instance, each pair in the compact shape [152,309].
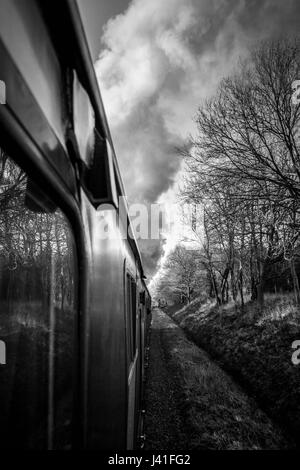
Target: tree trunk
[224,285]
[233,289]
[260,285]
[295,280]
[241,284]
[253,283]
[214,282]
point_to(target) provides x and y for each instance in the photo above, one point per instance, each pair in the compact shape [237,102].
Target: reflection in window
[37,315]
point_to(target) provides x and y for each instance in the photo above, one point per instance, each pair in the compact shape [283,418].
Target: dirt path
[191,404]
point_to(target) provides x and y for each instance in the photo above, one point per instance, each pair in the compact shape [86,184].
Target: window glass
[131,316]
[129,327]
[37,315]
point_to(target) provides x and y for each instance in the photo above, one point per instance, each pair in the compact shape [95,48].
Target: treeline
[243,170]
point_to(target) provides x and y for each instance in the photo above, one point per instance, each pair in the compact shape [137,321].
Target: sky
[95,14]
[156,61]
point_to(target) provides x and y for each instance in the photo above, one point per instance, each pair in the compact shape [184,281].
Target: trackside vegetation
[255,347]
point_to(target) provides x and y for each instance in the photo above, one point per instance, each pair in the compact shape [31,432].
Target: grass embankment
[216,413]
[255,348]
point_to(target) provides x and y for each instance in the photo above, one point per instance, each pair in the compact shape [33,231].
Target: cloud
[159,60]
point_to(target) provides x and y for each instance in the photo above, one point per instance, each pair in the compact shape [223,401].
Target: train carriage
[74,306]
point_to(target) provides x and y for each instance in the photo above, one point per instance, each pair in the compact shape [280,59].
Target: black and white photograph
[150,228]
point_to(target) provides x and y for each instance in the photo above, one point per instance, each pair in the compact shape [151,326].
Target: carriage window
[37,315]
[128,318]
[131,316]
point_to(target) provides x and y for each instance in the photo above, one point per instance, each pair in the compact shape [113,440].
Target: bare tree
[244,167]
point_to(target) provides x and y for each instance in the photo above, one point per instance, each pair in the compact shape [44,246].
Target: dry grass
[255,347]
[218,414]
